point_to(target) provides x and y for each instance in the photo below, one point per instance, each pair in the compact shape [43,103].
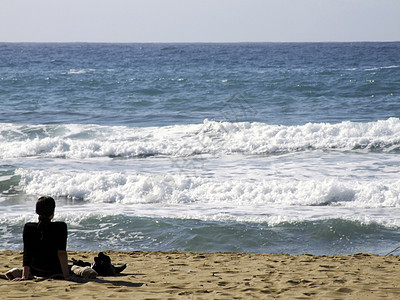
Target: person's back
[45,244]
[41,248]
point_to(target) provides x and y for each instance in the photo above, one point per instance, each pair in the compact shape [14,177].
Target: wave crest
[211,137]
[109,187]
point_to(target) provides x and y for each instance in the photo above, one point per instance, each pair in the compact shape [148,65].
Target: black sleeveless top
[42,255]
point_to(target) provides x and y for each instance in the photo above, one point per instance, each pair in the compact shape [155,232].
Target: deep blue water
[162,84]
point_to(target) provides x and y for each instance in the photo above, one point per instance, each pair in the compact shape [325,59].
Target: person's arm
[26,256]
[25,273]
[63,257]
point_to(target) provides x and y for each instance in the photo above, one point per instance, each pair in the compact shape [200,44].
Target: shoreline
[200,275]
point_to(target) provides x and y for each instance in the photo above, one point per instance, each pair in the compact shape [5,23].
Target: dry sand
[186,275]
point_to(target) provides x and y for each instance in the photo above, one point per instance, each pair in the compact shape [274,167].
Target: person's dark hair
[45,209]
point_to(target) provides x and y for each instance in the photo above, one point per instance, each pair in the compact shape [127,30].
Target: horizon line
[198,42]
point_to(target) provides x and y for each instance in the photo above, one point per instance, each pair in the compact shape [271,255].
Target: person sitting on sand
[45,252]
[45,245]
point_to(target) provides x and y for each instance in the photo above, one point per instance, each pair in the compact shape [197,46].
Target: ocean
[244,147]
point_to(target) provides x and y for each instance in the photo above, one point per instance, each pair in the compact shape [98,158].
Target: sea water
[266,147]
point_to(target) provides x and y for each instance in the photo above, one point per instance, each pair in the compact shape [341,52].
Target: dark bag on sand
[102,265]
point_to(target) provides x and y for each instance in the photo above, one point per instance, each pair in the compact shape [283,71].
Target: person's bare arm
[63,257]
[25,273]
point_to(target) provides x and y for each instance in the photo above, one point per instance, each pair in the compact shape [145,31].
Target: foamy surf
[87,141]
[109,187]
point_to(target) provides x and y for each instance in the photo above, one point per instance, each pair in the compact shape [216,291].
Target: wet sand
[187,275]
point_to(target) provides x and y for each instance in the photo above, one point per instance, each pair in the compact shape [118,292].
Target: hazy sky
[199,20]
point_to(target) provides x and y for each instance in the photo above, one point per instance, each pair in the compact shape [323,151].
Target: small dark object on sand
[102,265]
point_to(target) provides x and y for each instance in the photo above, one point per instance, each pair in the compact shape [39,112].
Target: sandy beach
[187,275]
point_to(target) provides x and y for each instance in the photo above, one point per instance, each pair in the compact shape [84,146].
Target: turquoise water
[204,147]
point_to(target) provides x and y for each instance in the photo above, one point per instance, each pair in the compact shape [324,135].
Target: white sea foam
[380,68]
[81,71]
[211,137]
[110,187]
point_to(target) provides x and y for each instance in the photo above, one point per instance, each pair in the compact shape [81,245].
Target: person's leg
[85,272]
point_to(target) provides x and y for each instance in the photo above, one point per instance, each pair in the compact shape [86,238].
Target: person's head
[45,209]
